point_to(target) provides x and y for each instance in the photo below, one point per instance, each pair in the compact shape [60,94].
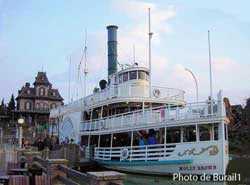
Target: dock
[31,167]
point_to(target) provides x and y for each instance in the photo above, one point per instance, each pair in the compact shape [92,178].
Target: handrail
[134,153]
[155,115]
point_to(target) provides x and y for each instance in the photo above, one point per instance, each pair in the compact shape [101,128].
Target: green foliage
[11,104]
[2,107]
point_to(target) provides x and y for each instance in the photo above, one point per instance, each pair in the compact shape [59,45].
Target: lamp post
[20,123]
[196,82]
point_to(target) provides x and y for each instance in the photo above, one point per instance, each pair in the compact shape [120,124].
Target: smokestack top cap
[112,26]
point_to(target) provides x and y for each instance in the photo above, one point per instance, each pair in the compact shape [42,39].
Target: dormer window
[41,91]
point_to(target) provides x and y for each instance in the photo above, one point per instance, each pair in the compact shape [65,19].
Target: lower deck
[189,149]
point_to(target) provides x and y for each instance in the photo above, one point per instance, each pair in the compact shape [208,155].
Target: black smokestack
[112,49]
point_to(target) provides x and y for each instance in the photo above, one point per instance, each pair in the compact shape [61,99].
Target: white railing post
[151,114]
[165,140]
[146,152]
[168,112]
[133,119]
[131,145]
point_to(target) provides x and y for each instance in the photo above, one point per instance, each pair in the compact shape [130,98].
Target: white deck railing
[155,116]
[134,153]
[117,91]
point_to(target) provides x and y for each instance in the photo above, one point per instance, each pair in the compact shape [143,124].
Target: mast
[85,63]
[150,34]
[210,66]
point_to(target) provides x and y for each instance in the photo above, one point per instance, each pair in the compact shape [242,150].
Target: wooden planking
[19,180]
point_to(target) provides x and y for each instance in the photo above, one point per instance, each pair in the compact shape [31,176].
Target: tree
[11,104]
[2,107]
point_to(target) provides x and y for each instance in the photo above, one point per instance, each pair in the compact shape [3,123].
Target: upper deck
[206,112]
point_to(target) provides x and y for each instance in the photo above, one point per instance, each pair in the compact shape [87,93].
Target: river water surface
[238,165]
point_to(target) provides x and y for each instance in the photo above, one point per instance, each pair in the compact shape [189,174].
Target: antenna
[210,65]
[150,34]
[133,53]
[69,78]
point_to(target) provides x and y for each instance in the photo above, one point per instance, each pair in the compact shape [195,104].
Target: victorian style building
[34,103]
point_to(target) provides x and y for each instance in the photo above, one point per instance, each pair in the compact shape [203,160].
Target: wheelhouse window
[173,135]
[205,132]
[189,134]
[125,77]
[120,78]
[132,75]
[141,75]
[147,76]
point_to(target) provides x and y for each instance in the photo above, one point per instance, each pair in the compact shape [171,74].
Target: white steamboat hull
[207,157]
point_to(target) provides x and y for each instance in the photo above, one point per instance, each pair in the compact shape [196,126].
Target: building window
[27,105]
[45,106]
[38,106]
[41,91]
[28,91]
[53,105]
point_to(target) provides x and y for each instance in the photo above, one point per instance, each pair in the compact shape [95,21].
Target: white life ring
[156,93]
[124,153]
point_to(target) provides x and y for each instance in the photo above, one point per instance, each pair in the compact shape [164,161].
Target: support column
[111,145]
[197,133]
[99,140]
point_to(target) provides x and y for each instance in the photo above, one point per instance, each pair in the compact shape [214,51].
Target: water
[239,165]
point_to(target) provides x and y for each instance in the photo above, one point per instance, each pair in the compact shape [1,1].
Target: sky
[45,35]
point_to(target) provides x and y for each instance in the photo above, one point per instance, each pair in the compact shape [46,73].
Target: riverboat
[130,125]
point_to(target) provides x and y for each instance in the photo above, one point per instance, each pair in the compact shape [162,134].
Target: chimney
[112,49]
